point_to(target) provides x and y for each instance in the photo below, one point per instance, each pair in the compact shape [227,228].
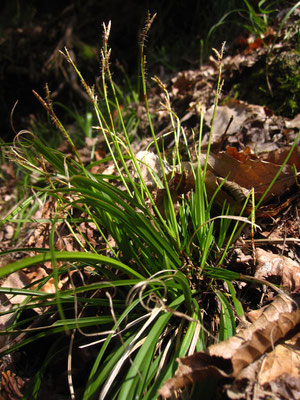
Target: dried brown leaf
[229,358]
[278,156]
[257,174]
[16,280]
[242,172]
[271,265]
[275,376]
[239,110]
[285,358]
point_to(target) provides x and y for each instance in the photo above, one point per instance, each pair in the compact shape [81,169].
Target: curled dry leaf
[276,375]
[230,357]
[241,171]
[223,190]
[252,173]
[271,265]
[233,193]
[284,359]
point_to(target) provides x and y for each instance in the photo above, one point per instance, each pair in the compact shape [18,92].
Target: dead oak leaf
[252,173]
[237,173]
[278,156]
[276,375]
[238,110]
[285,358]
[229,358]
[271,265]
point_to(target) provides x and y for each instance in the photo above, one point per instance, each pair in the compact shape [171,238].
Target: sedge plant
[138,299]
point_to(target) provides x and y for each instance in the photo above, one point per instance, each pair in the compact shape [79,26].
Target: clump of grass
[141,302]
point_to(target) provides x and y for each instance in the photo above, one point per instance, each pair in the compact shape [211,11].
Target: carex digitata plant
[137,302]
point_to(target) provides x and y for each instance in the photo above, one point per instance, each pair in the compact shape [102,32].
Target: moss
[284,77]
[285,70]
